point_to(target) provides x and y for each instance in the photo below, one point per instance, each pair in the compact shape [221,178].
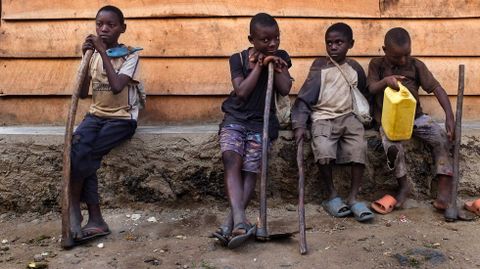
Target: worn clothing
[335,98]
[124,105]
[416,75]
[249,113]
[312,104]
[325,100]
[341,139]
[248,144]
[430,132]
[92,140]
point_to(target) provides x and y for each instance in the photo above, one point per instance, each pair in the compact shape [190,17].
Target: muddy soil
[416,237]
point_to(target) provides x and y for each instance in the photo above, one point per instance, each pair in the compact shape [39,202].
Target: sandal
[385,204]
[223,234]
[336,207]
[240,234]
[473,206]
[361,212]
[91,233]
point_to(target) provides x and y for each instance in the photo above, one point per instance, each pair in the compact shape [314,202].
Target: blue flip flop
[223,234]
[336,207]
[91,233]
[238,240]
[361,212]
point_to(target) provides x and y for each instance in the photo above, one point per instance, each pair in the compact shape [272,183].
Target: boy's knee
[392,155]
[231,160]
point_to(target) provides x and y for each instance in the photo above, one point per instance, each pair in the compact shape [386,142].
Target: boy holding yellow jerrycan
[398,66]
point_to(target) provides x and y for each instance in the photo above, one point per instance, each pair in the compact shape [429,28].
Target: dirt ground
[416,237]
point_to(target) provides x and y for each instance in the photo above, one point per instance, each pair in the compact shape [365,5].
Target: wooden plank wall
[187,45]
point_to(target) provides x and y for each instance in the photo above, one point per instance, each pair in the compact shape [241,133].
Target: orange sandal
[473,206]
[384,205]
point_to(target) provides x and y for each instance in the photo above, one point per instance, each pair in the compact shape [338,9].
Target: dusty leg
[357,178]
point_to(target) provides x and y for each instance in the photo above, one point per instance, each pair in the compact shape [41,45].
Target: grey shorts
[341,139]
[430,132]
[236,138]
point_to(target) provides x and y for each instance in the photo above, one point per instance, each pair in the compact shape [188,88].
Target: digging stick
[67,239]
[451,213]
[262,229]
[301,195]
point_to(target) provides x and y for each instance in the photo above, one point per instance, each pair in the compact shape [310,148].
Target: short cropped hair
[341,27]
[262,19]
[397,36]
[115,10]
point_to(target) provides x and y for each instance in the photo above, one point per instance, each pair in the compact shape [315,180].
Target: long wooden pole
[67,238]
[301,195]
[262,231]
[451,213]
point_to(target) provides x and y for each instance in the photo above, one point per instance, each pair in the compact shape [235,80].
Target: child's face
[397,55]
[109,27]
[265,39]
[338,45]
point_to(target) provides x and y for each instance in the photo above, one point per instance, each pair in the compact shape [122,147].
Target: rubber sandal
[223,233]
[384,205]
[473,206]
[336,207]
[361,212]
[239,239]
[93,232]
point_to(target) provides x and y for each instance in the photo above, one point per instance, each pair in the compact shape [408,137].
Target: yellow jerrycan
[398,114]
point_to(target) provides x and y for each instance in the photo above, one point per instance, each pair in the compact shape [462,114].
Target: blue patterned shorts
[236,138]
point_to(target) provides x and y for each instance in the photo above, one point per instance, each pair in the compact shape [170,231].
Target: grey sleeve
[307,97]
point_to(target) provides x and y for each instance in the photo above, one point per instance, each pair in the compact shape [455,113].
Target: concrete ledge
[168,164]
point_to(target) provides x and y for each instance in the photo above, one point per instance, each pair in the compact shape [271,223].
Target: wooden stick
[451,213]
[67,239]
[262,231]
[301,195]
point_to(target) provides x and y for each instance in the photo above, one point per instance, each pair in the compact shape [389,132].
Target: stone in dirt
[414,257]
[37,265]
[38,257]
[152,219]
[153,261]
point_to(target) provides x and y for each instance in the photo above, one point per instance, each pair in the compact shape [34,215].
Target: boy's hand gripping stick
[67,238]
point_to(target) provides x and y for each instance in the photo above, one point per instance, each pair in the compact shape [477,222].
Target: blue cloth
[121,51]
[92,140]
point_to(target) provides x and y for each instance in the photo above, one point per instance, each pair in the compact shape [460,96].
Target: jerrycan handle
[403,90]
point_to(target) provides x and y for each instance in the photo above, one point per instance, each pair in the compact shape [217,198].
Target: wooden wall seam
[41,9]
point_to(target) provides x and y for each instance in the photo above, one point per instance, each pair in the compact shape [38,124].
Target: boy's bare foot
[404,190]
[402,195]
[440,204]
[76,219]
